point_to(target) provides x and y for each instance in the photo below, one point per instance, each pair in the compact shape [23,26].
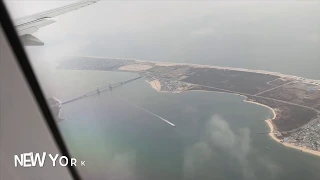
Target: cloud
[44,63]
[236,144]
[115,166]
[123,166]
[220,137]
[196,157]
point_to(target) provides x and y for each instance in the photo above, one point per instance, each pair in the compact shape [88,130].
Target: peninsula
[295,101]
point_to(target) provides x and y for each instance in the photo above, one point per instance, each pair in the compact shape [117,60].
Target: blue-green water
[216,135]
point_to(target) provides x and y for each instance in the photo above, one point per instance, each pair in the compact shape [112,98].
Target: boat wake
[147,111]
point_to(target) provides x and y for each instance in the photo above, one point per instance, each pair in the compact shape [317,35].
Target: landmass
[295,101]
[55,106]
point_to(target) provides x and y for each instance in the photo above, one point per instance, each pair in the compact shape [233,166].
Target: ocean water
[217,136]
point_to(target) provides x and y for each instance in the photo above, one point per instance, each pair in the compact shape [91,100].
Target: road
[274,88]
[250,95]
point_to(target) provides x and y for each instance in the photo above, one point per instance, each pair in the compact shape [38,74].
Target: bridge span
[99,90]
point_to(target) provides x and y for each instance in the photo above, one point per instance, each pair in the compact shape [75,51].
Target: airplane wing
[30,24]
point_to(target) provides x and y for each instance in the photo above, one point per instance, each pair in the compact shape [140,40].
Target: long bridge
[99,90]
[109,88]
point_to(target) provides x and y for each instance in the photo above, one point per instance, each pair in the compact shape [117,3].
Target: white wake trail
[151,113]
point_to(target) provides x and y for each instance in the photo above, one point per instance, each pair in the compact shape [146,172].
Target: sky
[247,34]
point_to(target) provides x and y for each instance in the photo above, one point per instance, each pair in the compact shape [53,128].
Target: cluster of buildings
[174,86]
[307,136]
[169,77]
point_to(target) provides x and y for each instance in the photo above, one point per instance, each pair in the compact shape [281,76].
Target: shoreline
[155,84]
[271,133]
[163,63]
[268,121]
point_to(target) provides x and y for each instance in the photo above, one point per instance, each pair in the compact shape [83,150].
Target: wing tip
[29,40]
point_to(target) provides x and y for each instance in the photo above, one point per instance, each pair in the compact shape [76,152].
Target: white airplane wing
[30,24]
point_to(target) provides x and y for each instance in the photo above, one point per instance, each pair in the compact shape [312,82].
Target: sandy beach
[303,149]
[155,84]
[135,67]
[271,133]
[163,63]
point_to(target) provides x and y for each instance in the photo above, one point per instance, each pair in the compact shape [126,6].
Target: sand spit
[215,67]
[135,67]
[157,86]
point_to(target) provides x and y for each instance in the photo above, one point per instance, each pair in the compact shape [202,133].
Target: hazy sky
[278,36]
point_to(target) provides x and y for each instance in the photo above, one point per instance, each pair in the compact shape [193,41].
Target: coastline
[271,133]
[303,149]
[164,63]
[155,84]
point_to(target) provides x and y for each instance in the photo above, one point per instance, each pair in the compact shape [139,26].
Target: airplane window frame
[32,82]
